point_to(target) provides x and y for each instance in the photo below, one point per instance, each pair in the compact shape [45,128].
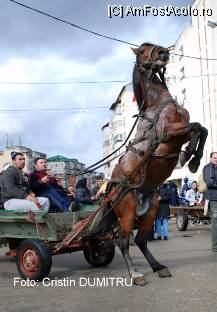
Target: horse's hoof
[164,273]
[183,158]
[138,279]
[194,165]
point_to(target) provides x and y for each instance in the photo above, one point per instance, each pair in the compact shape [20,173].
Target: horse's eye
[142,51]
[161,52]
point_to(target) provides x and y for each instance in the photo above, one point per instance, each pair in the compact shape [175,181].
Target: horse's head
[150,60]
[149,53]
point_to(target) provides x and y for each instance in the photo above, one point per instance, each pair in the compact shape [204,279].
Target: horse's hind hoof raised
[164,273]
[138,279]
[194,165]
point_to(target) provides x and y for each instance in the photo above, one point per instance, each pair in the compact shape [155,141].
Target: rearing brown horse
[159,113]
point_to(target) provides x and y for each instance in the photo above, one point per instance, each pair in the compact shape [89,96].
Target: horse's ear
[135,50]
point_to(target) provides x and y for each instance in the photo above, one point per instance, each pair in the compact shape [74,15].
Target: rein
[93,167]
[79,226]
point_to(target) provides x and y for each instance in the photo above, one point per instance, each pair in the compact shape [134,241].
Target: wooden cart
[34,239]
[184,214]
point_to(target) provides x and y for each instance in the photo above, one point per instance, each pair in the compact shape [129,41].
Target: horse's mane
[136,89]
[136,86]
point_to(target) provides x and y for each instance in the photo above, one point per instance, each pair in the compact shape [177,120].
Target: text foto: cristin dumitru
[81,282]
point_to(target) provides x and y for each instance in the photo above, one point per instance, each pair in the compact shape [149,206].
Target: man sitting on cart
[15,190]
[45,184]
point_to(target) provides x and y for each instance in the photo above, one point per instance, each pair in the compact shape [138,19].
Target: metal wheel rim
[179,221]
[29,261]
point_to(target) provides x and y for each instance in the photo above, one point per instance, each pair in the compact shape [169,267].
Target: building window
[172,59]
[182,71]
[171,80]
[118,110]
[183,95]
[118,138]
[106,143]
[180,52]
[117,124]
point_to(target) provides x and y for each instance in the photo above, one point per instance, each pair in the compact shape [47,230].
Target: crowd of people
[169,197]
[189,196]
[40,189]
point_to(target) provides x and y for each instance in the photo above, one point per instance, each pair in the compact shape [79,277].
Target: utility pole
[7,139]
[19,140]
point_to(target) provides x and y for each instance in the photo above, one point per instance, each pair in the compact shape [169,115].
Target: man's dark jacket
[164,210]
[210,178]
[40,188]
[14,184]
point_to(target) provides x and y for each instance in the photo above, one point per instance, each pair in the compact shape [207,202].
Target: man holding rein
[45,184]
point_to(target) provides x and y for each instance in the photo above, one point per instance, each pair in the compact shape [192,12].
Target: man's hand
[30,197]
[71,194]
[45,179]
[158,197]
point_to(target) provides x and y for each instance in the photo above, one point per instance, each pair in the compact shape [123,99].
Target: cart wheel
[100,254]
[33,259]
[182,220]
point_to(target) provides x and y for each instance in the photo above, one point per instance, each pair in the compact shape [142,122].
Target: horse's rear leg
[126,213]
[145,225]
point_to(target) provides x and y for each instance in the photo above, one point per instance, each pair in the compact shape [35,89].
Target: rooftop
[106,125]
[118,100]
[59,158]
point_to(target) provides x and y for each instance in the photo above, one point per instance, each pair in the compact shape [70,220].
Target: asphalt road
[192,287]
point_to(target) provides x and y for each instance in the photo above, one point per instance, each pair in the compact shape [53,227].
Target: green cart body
[34,241]
[47,226]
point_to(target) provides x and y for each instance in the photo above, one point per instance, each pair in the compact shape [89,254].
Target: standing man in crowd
[15,190]
[163,212]
[99,183]
[210,178]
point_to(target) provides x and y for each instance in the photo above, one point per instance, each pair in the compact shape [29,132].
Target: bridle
[149,67]
[147,70]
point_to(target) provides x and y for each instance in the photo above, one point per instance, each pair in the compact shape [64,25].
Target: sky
[66,119]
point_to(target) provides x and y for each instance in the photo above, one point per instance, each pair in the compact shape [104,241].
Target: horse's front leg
[125,211]
[193,134]
[195,161]
[146,223]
